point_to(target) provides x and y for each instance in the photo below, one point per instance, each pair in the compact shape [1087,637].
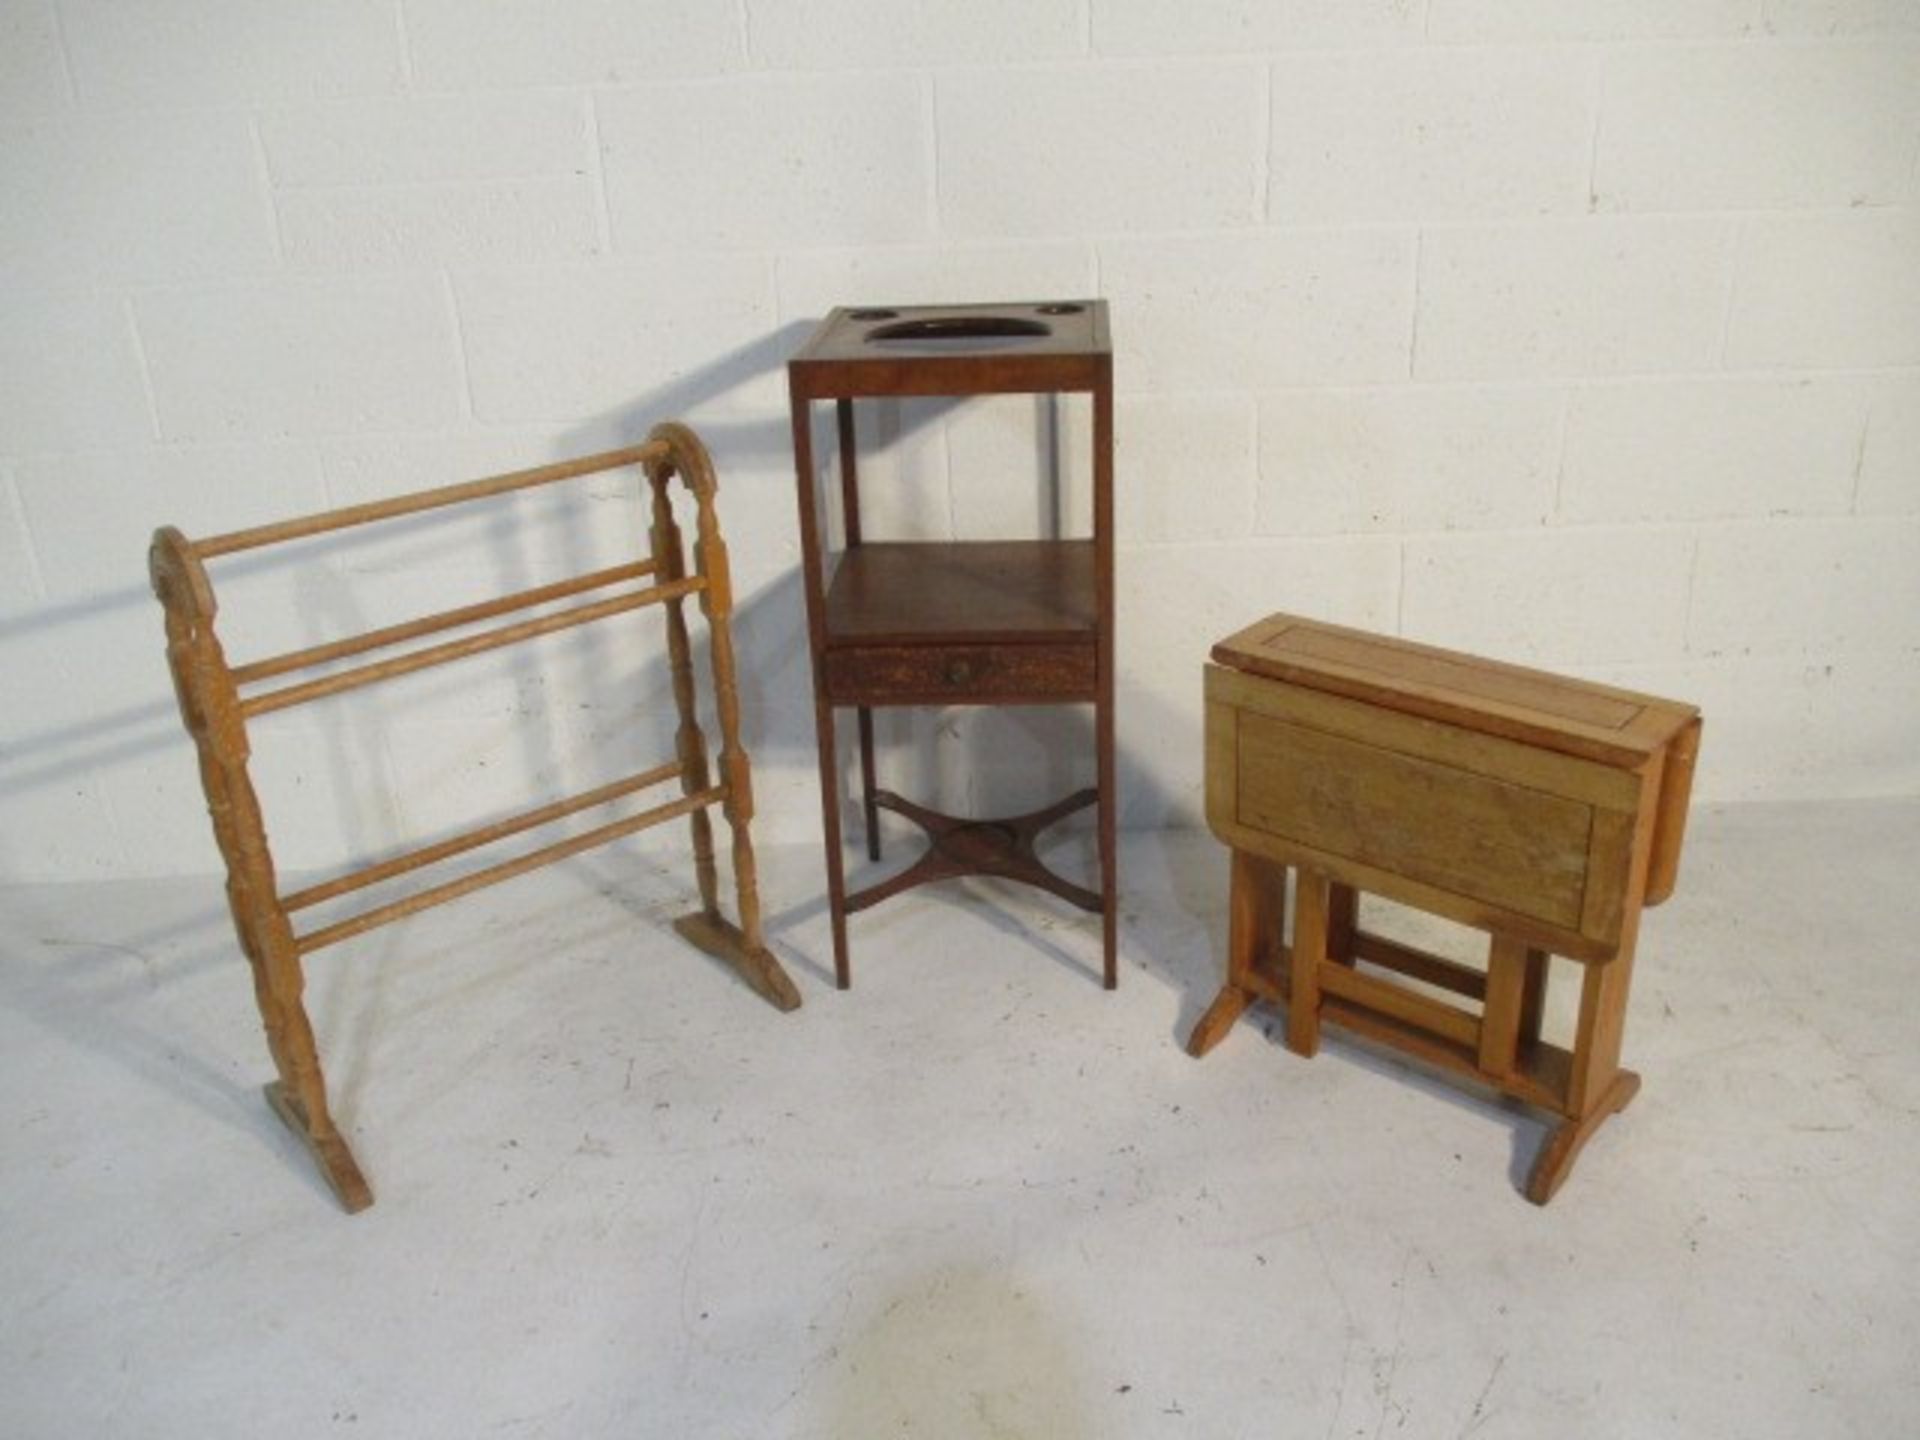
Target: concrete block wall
[1582,334]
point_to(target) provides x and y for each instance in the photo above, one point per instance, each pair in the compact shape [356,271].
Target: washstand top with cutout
[954,349]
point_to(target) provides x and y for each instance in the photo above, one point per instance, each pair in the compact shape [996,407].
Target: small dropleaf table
[1545,811]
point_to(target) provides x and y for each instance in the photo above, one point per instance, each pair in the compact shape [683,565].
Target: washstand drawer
[961,674]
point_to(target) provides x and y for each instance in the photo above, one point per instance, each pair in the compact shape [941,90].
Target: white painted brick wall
[812,282]
[300,358]
[1705,127]
[429,139]
[1840,17]
[1827,291]
[435,181]
[1889,464]
[33,71]
[1149,27]
[456,45]
[1567,599]
[1546,20]
[137,54]
[1831,585]
[903,470]
[1407,458]
[1469,132]
[1602,296]
[1262,307]
[872,34]
[998,445]
[1187,466]
[133,197]
[493,222]
[1580,333]
[794,161]
[1193,149]
[88,512]
[70,372]
[20,584]
[1713,449]
[564,342]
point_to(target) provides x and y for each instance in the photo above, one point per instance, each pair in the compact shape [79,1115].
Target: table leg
[1312,895]
[868,793]
[830,822]
[1555,1161]
[1596,1085]
[1256,910]
[1108,820]
[1500,1014]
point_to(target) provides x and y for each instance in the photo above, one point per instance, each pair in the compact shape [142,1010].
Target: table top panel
[1576,717]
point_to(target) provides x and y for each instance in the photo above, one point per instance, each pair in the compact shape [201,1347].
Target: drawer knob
[959,672]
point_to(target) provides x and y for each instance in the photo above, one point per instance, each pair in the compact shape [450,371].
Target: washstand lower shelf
[1002,848]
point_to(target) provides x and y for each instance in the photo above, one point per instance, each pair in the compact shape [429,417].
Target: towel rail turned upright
[216,714]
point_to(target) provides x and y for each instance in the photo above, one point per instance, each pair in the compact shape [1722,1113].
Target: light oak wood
[1541,809]
[348,516]
[1256,915]
[1499,1037]
[462,649]
[546,855]
[1555,1161]
[1458,746]
[1372,880]
[1306,962]
[474,839]
[431,624]
[1434,1016]
[1670,820]
[1618,728]
[1539,1080]
[1415,964]
[215,716]
[210,709]
[688,459]
[1504,845]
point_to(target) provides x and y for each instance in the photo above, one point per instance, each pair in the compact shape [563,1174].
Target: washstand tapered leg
[869,790]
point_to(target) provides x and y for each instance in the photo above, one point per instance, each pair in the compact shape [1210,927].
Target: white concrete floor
[619,1195]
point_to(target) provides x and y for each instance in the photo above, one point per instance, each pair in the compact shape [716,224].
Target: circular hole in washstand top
[1060,309]
[962,328]
[872,314]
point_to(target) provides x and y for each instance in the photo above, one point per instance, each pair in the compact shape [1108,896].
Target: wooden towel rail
[215,713]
